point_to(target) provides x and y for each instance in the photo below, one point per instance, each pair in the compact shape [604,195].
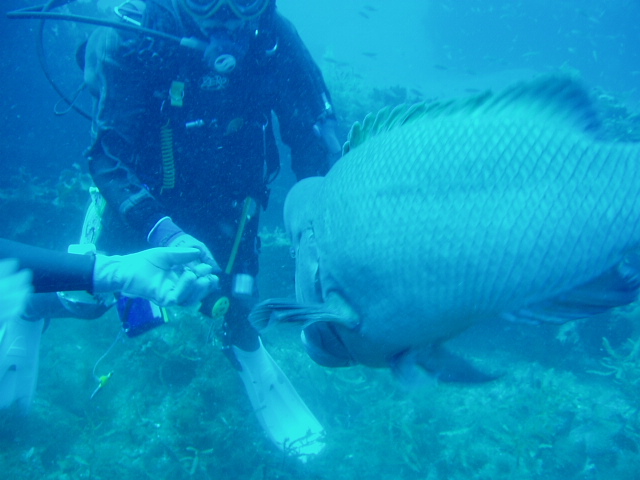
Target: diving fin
[15,288]
[19,359]
[19,339]
[283,415]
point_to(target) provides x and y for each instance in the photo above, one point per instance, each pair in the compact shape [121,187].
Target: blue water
[437,46]
[566,406]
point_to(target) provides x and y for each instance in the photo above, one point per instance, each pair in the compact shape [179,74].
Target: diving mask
[243,9]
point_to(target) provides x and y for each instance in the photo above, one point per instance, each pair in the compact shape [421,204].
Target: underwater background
[567,405]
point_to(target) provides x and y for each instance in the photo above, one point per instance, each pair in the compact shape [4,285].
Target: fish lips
[325,347]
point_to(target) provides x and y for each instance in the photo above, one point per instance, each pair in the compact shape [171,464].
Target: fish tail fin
[281,310]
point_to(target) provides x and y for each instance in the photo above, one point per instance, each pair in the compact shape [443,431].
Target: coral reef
[176,409]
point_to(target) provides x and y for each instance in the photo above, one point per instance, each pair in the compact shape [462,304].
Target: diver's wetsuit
[196,158]
[52,271]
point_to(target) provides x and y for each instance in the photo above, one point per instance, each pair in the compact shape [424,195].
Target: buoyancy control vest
[215,124]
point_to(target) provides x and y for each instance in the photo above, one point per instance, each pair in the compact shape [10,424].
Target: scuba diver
[157,274]
[183,150]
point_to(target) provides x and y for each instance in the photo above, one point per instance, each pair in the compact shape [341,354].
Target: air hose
[44,13]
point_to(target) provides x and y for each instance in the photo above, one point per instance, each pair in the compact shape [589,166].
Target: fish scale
[536,152]
[440,216]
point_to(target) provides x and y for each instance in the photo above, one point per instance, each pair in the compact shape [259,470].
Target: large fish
[442,216]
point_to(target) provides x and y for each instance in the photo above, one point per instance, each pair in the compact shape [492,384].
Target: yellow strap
[236,244]
[168,162]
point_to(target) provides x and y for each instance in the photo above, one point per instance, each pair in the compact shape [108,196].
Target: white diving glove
[165,233]
[157,274]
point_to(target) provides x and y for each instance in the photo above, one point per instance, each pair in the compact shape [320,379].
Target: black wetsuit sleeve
[123,122]
[52,271]
[303,100]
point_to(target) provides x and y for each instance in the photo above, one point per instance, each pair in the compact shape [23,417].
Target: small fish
[335,62]
[234,126]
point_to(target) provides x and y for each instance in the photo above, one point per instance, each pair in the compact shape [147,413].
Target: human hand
[168,234]
[166,276]
[187,241]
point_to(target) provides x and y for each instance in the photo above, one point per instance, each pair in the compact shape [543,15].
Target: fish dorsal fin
[561,98]
[386,119]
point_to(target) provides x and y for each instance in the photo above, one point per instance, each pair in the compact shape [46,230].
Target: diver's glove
[157,274]
[165,233]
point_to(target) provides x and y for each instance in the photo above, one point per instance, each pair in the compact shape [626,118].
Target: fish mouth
[325,347]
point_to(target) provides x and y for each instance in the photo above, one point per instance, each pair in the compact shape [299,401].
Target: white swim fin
[15,288]
[284,416]
[19,339]
[19,359]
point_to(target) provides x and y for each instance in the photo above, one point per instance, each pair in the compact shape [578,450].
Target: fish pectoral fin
[440,364]
[617,287]
[307,277]
[282,310]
